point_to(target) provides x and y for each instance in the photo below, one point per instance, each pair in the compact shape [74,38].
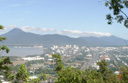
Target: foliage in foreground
[71,75]
[119,9]
[65,75]
[103,75]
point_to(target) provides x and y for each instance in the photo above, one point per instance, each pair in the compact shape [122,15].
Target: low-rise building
[33,58]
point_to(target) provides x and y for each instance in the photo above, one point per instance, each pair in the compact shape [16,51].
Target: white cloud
[76,33]
[71,33]
[47,29]
[29,28]
[36,29]
[7,28]
[10,27]
[32,29]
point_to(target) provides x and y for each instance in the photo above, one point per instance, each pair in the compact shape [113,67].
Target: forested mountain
[106,41]
[17,36]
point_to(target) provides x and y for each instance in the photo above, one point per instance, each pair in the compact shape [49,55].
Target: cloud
[47,29]
[10,27]
[32,29]
[7,28]
[76,33]
[36,29]
[29,28]
[71,33]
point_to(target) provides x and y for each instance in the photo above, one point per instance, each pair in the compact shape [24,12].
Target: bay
[22,51]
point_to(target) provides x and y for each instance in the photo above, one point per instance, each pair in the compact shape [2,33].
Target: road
[95,57]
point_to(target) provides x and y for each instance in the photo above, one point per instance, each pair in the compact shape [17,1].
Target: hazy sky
[70,17]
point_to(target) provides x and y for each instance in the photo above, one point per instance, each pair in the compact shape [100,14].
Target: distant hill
[106,41]
[17,36]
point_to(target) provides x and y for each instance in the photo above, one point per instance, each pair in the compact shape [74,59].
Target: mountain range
[17,36]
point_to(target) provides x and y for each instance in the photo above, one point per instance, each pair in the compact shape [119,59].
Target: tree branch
[123,13]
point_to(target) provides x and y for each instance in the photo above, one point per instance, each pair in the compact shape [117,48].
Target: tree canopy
[73,75]
[119,9]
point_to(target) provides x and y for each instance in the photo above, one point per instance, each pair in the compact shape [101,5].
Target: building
[33,58]
[32,77]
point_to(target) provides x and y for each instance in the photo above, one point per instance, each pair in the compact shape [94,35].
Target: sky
[66,17]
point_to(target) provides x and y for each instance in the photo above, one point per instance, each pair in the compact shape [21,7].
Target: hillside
[106,41]
[17,36]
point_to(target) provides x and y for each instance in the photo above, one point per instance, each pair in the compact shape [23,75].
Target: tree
[108,75]
[3,47]
[5,62]
[37,80]
[22,74]
[118,7]
[124,74]
[58,62]
[74,75]
[92,76]
[43,77]
[69,75]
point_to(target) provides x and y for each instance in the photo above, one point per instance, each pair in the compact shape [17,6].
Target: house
[117,72]
[105,58]
[33,77]
[33,58]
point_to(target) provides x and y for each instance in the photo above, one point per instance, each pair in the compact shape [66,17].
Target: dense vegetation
[103,75]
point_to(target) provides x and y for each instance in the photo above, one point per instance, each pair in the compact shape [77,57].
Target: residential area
[75,56]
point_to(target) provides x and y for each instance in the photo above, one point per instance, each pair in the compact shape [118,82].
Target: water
[22,51]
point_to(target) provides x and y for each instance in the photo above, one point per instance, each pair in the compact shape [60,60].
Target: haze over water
[22,51]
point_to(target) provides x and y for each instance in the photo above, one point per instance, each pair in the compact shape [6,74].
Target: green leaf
[2,38]
[1,27]
[106,4]
[125,3]
[109,22]
[126,23]
[119,18]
